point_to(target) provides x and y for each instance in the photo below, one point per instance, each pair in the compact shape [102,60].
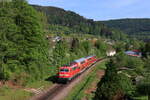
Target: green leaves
[60,54]
[23,48]
[101,48]
[113,85]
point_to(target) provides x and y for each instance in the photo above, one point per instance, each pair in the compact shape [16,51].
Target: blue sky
[102,9]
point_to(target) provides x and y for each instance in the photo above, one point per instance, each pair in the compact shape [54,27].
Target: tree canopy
[22,42]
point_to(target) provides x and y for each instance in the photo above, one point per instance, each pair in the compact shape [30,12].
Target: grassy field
[39,84]
[79,91]
[7,93]
[141,98]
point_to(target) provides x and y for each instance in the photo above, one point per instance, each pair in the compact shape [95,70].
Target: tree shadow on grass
[81,89]
[52,79]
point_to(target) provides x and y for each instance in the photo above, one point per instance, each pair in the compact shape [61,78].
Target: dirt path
[92,89]
[60,91]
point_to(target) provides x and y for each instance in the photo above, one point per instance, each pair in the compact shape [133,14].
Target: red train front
[70,71]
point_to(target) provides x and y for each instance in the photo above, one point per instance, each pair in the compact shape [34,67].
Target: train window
[66,65]
[64,70]
[72,63]
[89,59]
[82,62]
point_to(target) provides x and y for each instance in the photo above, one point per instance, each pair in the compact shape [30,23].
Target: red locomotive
[68,72]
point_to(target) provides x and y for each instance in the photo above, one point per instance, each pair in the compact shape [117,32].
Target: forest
[136,28]
[78,24]
[26,54]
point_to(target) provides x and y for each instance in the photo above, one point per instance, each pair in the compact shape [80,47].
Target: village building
[134,53]
[111,52]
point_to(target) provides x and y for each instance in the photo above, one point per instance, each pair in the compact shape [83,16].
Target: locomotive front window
[64,70]
[82,62]
[72,63]
[89,59]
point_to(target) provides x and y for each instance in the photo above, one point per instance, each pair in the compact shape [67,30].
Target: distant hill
[139,28]
[60,16]
[77,23]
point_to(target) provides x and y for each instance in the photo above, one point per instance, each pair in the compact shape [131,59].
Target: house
[134,53]
[56,39]
[111,52]
[137,80]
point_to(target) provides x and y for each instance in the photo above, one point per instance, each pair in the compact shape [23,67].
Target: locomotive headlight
[66,74]
[63,75]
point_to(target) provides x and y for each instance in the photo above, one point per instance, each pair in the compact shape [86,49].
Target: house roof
[129,52]
[132,52]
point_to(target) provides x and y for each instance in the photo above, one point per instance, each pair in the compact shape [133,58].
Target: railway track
[59,91]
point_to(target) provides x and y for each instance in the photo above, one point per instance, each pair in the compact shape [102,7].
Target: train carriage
[81,63]
[68,72]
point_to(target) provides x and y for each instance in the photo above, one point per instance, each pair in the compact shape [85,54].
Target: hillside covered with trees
[78,24]
[136,28]
[22,43]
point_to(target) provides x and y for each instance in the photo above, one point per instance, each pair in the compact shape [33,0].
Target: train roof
[89,57]
[129,52]
[79,60]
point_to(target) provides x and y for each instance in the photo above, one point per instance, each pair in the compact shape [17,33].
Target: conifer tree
[60,54]
[113,86]
[7,47]
[74,45]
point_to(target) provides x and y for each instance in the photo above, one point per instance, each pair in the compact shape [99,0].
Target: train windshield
[72,63]
[64,70]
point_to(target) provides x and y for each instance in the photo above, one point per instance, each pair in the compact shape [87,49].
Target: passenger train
[68,72]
